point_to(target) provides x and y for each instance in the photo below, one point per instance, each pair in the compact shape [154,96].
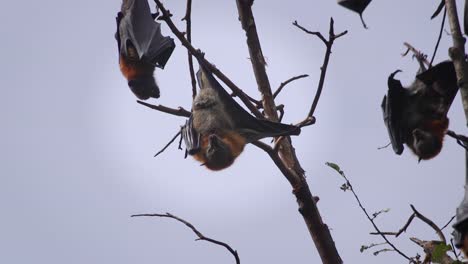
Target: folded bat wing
[443,80]
[250,127]
[137,27]
[191,137]
[392,106]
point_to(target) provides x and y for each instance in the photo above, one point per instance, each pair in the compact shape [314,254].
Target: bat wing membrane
[392,105]
[138,27]
[250,127]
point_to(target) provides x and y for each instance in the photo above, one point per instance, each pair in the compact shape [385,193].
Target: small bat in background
[219,128]
[141,47]
[417,115]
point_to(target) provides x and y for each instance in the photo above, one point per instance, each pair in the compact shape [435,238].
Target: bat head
[218,154]
[425,144]
[144,87]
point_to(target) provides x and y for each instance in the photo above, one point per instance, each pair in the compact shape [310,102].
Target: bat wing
[191,137]
[442,78]
[138,28]
[357,6]
[250,127]
[392,106]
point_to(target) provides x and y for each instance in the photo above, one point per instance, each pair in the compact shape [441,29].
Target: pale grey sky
[77,155]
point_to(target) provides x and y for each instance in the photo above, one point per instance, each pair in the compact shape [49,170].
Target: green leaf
[333,166]
[439,252]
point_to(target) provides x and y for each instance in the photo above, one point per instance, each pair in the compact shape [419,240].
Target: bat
[142,47]
[417,115]
[219,128]
[357,6]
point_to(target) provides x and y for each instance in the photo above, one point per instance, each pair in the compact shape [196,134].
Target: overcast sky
[77,150]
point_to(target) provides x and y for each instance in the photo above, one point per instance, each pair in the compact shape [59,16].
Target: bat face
[219,127]
[417,115]
[141,47]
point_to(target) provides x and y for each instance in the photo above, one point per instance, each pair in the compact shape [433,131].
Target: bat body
[417,115]
[219,127]
[141,46]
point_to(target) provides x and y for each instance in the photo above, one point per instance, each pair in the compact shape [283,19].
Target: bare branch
[188,30]
[440,36]
[403,229]
[315,33]
[461,140]
[457,52]
[177,112]
[421,57]
[168,144]
[244,8]
[350,187]
[201,59]
[448,223]
[283,84]
[198,233]
[430,223]
[323,70]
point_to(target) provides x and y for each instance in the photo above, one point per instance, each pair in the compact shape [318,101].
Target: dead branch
[461,140]
[448,223]
[198,233]
[430,223]
[457,52]
[188,21]
[323,70]
[421,57]
[287,161]
[168,144]
[177,112]
[440,35]
[283,84]
[403,229]
[201,59]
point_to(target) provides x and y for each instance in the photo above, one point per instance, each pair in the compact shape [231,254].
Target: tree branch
[201,59]
[349,186]
[198,233]
[430,223]
[177,112]
[168,144]
[288,162]
[283,84]
[457,53]
[188,20]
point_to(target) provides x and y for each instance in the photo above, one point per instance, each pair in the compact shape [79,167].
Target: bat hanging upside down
[219,128]
[417,115]
[141,47]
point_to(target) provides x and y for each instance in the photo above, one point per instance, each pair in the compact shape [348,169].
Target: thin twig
[168,144]
[198,233]
[328,43]
[403,229]
[430,223]
[200,56]
[448,223]
[177,112]
[283,84]
[461,140]
[422,58]
[369,217]
[188,21]
[440,37]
